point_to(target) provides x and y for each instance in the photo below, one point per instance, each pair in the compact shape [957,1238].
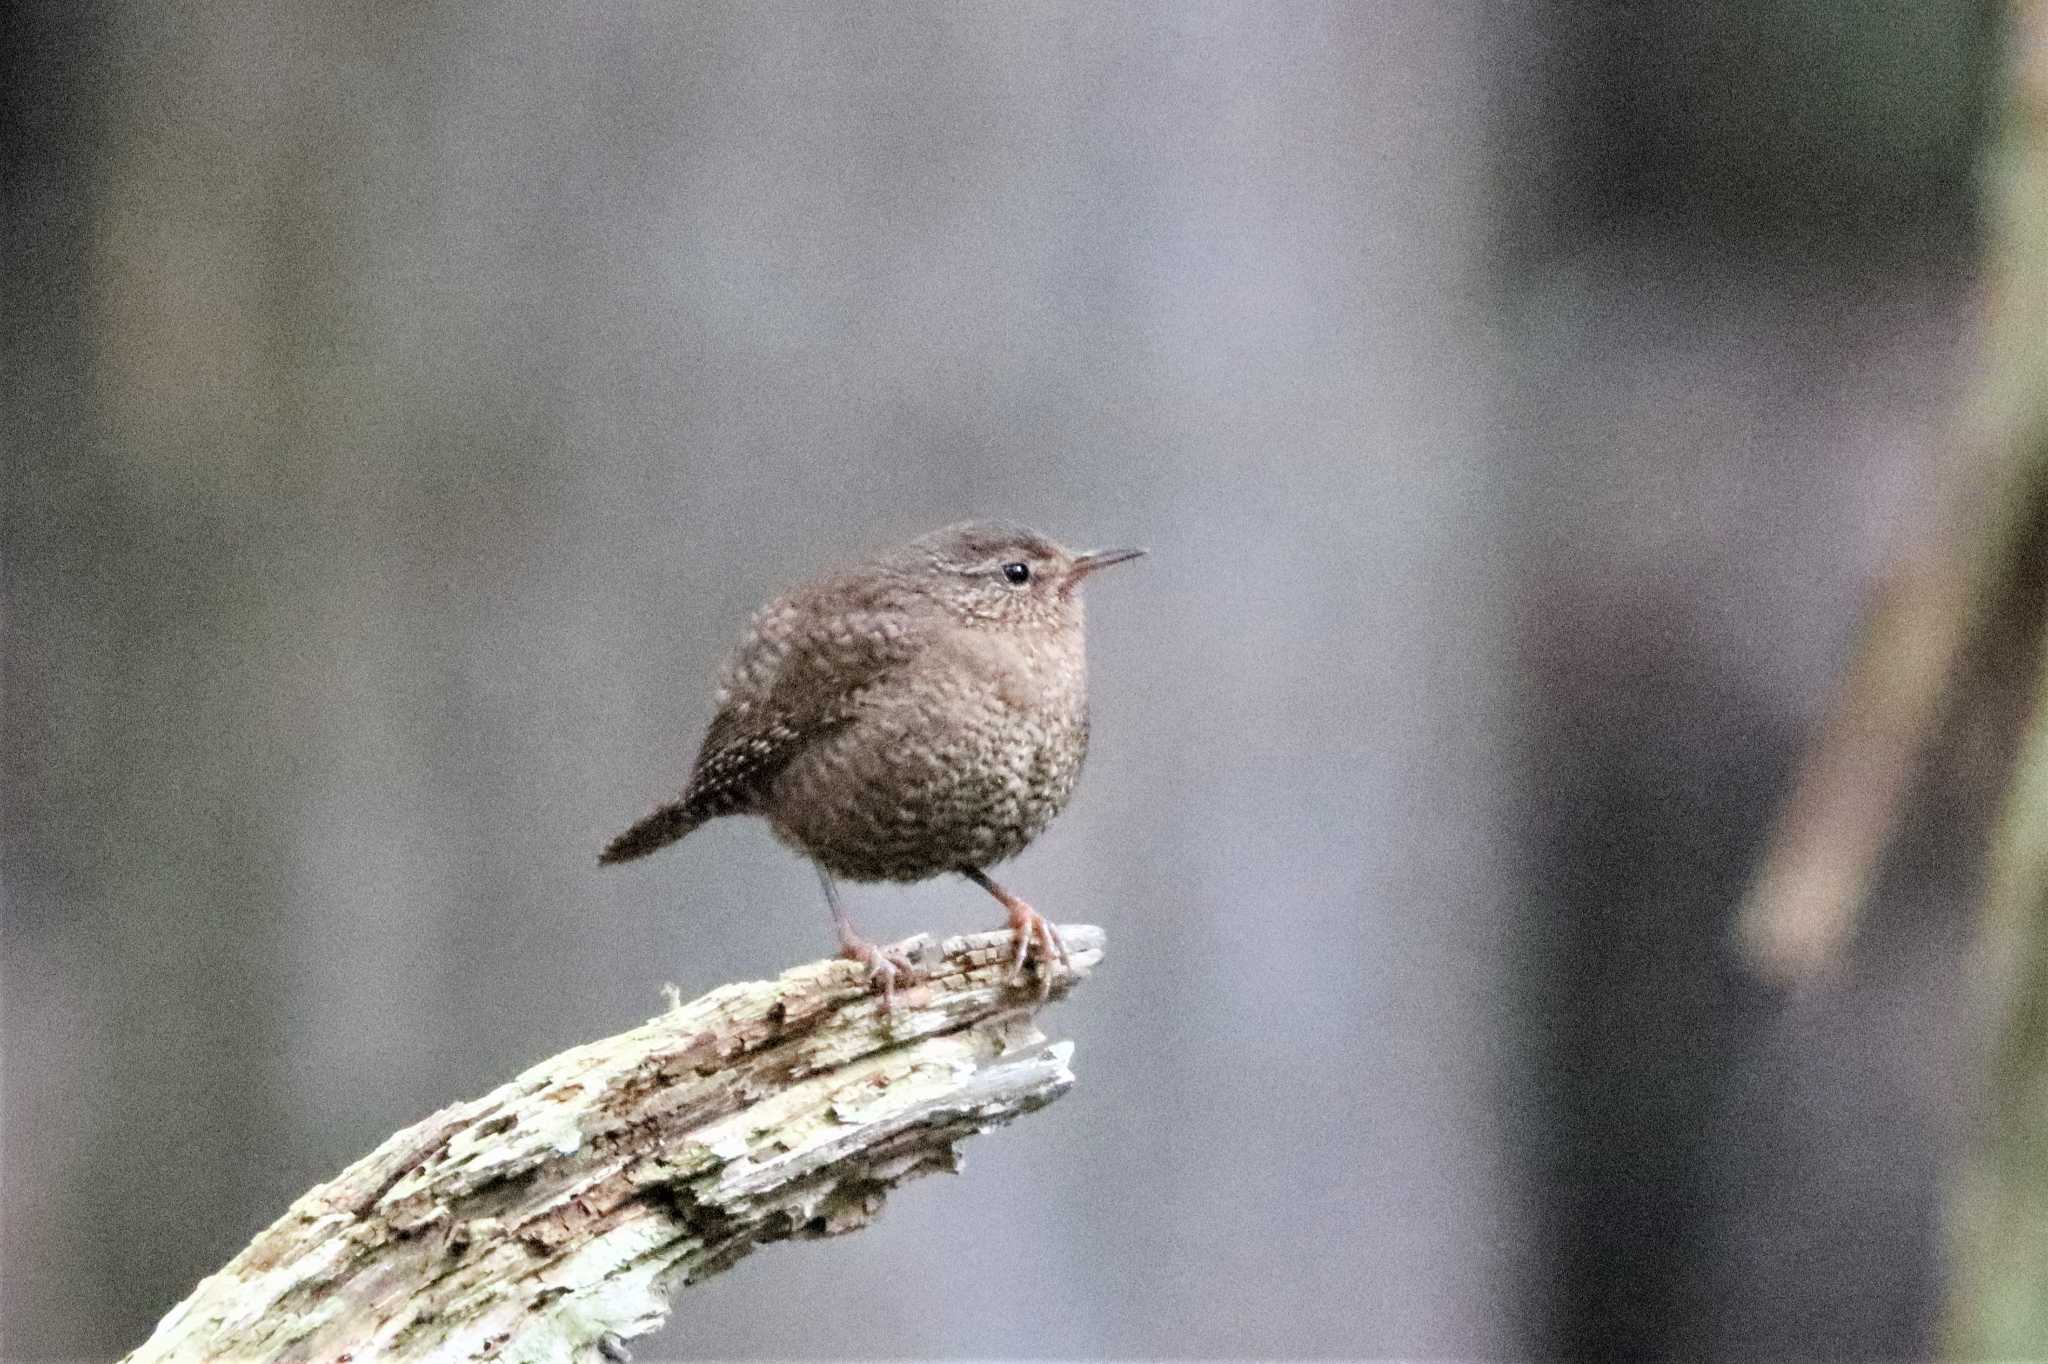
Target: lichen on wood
[556,1216]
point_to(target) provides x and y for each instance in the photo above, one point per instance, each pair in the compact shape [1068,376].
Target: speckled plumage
[917,713]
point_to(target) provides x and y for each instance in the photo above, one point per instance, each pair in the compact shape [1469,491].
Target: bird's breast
[958,761]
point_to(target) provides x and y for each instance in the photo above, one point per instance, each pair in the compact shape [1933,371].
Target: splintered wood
[553,1218]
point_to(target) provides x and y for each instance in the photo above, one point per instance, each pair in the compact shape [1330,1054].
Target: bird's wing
[801,673]
[806,666]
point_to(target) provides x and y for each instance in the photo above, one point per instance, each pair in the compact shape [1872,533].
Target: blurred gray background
[407,404]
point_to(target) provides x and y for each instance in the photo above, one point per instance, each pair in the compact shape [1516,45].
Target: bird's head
[992,573]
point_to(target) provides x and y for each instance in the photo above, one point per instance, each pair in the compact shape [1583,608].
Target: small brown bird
[921,712]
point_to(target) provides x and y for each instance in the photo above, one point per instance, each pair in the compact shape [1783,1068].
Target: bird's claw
[885,966]
[1036,938]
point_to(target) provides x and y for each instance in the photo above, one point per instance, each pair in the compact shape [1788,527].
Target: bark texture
[553,1218]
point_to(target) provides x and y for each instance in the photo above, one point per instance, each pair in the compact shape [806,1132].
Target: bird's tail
[659,829]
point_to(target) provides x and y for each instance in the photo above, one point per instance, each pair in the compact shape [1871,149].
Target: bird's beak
[1084,564]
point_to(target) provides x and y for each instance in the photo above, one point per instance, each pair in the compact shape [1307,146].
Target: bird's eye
[1019,574]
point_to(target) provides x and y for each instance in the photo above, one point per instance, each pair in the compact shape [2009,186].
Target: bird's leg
[884,964]
[1036,935]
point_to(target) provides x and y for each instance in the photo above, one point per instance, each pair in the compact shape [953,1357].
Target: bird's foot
[887,966]
[1037,939]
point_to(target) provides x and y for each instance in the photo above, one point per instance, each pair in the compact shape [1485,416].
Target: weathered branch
[554,1217]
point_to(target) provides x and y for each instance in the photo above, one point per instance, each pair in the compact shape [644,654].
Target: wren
[921,712]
